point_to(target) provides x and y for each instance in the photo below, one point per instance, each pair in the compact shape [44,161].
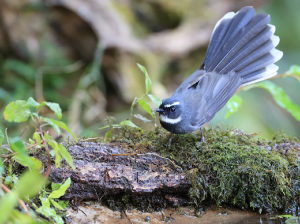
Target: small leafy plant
[20,111]
[142,103]
[31,182]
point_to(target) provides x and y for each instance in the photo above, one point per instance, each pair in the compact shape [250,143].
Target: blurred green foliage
[30,184]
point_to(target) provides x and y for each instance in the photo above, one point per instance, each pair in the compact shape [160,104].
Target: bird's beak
[159,110]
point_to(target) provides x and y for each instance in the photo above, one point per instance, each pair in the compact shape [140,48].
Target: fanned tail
[243,43]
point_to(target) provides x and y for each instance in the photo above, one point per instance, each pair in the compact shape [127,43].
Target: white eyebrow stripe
[173,104]
[169,120]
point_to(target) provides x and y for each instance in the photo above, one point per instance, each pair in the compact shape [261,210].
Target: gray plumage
[241,51]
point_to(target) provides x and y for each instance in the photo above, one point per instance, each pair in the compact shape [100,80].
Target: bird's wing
[215,90]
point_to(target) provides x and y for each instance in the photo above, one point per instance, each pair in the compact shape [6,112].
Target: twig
[23,131]
[29,147]
[20,201]
[47,151]
[125,154]
[8,149]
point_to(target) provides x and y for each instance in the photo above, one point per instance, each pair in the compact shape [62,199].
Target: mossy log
[137,170]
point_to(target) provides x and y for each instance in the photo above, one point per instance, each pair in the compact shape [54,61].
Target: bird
[241,51]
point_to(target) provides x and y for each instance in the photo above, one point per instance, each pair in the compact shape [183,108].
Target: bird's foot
[169,142]
[202,136]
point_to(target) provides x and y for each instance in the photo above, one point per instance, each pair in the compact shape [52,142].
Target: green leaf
[7,204]
[30,183]
[58,124]
[62,190]
[109,133]
[31,141]
[56,148]
[1,137]
[146,107]
[55,186]
[147,79]
[32,103]
[22,218]
[63,204]
[36,136]
[55,108]
[294,72]
[8,180]
[281,98]
[50,121]
[130,124]
[45,201]
[17,111]
[58,219]
[37,164]
[47,211]
[56,204]
[157,102]
[47,137]
[111,126]
[66,155]
[233,105]
[22,155]
[294,69]
[34,162]
[62,125]
[140,117]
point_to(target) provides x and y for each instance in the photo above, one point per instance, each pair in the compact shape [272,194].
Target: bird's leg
[169,142]
[202,135]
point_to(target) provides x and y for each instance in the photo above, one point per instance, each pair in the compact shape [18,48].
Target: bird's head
[170,111]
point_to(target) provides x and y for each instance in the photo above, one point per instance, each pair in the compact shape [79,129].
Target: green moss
[231,167]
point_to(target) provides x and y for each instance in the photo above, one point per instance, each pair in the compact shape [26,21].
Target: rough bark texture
[98,173]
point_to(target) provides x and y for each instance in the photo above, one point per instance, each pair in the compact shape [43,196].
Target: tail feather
[243,43]
[260,75]
[251,57]
[262,62]
[238,41]
[252,46]
[217,36]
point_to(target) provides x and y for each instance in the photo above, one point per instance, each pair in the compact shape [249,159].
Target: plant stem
[131,108]
[29,147]
[47,151]
[133,104]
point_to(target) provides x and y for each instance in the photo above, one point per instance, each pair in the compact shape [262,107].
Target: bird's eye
[172,109]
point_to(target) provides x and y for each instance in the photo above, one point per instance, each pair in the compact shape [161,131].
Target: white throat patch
[169,120]
[173,104]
